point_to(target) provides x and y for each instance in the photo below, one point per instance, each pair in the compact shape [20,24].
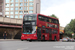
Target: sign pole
[72,35]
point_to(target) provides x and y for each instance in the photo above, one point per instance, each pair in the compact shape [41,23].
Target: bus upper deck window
[34,18]
[39,17]
[43,19]
[49,20]
[30,18]
[25,18]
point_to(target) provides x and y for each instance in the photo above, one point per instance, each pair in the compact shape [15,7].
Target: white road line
[23,48]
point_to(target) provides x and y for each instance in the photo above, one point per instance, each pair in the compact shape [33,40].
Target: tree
[70,28]
[54,16]
[72,25]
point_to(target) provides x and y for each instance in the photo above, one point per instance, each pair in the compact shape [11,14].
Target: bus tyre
[30,40]
[21,40]
[43,38]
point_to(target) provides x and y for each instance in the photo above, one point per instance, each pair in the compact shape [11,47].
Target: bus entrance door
[50,34]
[39,33]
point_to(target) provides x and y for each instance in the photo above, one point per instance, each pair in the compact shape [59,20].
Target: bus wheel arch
[21,40]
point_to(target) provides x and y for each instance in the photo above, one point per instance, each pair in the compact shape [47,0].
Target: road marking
[64,47]
[23,48]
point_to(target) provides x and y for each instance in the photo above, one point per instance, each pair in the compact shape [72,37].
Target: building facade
[1,7]
[61,32]
[17,8]
[11,15]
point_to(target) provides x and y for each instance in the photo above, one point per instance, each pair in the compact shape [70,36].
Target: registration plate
[28,39]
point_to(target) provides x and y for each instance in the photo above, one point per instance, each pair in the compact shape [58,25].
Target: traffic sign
[72,34]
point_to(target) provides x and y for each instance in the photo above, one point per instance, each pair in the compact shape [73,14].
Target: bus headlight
[36,27]
[35,35]
[22,35]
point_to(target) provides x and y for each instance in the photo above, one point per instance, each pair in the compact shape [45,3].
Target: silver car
[65,39]
[72,40]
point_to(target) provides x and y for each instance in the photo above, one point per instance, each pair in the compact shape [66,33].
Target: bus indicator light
[27,35]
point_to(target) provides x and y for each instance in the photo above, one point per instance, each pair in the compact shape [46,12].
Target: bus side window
[39,17]
[47,30]
[49,20]
[43,18]
[52,21]
[43,29]
[57,22]
[54,31]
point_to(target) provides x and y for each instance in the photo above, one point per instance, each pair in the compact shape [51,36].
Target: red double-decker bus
[40,27]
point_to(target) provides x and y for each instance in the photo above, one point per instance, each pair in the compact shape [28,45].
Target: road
[35,45]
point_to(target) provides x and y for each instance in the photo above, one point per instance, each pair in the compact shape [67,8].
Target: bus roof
[48,16]
[43,15]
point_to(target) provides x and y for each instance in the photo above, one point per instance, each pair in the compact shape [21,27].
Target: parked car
[65,39]
[72,40]
[68,38]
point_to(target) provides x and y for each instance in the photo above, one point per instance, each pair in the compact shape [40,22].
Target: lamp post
[36,7]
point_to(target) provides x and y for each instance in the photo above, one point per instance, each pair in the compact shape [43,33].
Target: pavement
[8,39]
[17,44]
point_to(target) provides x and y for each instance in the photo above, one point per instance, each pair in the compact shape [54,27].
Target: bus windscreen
[30,17]
[29,30]
[29,24]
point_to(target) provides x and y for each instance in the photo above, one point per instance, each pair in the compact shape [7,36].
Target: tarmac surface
[17,44]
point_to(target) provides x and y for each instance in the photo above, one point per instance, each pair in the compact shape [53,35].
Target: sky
[63,9]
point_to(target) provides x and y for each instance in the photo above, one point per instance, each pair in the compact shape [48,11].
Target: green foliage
[72,25]
[53,16]
[70,28]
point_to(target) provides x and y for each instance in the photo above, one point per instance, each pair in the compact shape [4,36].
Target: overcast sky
[63,9]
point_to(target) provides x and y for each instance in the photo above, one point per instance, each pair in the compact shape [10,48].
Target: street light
[36,7]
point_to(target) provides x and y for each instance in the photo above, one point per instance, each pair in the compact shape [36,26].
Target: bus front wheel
[21,40]
[30,40]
